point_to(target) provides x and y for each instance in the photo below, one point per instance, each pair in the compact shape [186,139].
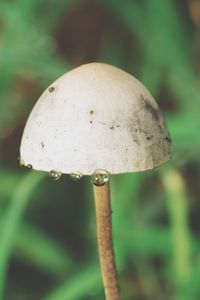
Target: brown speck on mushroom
[168,139]
[149,137]
[149,107]
[154,112]
[51,89]
[135,139]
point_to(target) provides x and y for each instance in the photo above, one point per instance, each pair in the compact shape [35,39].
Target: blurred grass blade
[42,251]
[9,181]
[192,289]
[12,219]
[87,282]
[124,195]
[177,203]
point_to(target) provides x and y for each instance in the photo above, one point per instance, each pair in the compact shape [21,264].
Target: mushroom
[96,120]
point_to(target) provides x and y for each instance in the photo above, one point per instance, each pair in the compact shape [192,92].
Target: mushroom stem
[105,243]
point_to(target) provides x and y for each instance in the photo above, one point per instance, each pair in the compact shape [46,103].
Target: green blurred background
[48,244]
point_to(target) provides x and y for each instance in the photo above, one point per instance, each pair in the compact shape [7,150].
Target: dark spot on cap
[111,127]
[135,139]
[154,111]
[149,137]
[92,112]
[42,144]
[51,89]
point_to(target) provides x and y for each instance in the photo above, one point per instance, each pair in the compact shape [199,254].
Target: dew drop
[55,175]
[76,176]
[29,166]
[20,162]
[100,177]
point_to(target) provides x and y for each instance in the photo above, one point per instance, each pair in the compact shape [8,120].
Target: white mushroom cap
[95,117]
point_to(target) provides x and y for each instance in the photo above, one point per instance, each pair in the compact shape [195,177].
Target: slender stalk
[105,243]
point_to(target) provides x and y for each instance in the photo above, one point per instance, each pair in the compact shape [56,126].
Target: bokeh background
[48,246]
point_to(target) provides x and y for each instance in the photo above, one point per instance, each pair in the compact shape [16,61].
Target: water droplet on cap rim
[29,166]
[55,175]
[100,177]
[76,176]
[20,162]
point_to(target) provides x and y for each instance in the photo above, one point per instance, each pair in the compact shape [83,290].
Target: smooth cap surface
[95,117]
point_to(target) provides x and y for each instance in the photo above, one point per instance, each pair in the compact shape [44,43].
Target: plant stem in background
[104,234]
[177,203]
[79,286]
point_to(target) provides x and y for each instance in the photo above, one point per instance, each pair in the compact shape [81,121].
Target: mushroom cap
[95,117]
